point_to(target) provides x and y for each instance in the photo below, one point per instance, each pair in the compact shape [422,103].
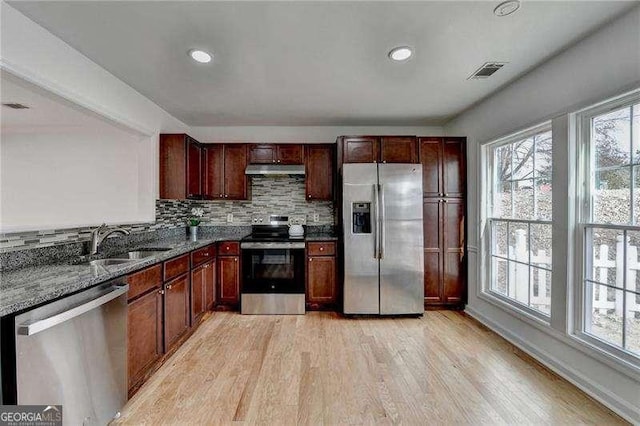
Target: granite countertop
[321,236]
[27,287]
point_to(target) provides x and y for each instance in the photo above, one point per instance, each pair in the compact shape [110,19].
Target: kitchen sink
[144,253]
[109,262]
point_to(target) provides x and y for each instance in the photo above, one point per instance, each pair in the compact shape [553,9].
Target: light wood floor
[324,369]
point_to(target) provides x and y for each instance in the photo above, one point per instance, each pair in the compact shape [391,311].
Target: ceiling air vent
[487,70]
[16,106]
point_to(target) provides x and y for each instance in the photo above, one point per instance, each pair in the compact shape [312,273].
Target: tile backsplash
[269,194]
[278,195]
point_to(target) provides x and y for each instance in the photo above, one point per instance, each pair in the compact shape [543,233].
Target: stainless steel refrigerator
[383,239]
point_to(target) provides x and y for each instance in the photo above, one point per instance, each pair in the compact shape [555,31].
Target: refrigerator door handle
[376,209]
[381,237]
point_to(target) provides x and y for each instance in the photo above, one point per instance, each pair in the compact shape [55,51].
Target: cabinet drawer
[202,255]
[230,248]
[176,266]
[145,280]
[326,248]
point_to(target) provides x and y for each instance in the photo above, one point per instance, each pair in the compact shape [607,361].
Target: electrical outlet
[229,217]
[316,217]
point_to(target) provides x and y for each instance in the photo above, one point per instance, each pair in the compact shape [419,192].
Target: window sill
[621,365]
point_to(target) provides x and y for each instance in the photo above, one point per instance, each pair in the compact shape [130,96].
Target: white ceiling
[316,63]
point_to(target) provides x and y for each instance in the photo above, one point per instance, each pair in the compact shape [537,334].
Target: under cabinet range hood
[274,169]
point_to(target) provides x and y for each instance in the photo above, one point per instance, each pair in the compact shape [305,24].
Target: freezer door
[401,239]
[361,284]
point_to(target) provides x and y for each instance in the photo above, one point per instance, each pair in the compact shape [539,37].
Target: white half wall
[603,65]
[303,134]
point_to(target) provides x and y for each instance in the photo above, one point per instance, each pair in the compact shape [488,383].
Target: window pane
[633,323]
[500,239]
[523,199]
[611,137]
[523,159]
[519,282]
[604,320]
[607,256]
[541,245]
[543,153]
[518,242]
[499,282]
[636,195]
[502,163]
[540,290]
[543,198]
[612,196]
[633,267]
[636,133]
[502,200]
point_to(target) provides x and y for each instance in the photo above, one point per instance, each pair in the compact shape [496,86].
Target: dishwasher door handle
[40,325]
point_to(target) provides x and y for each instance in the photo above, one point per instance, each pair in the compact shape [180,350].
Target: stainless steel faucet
[100,233]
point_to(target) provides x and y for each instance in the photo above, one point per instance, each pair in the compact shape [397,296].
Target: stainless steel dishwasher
[73,352]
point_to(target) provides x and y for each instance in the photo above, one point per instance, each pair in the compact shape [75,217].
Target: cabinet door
[144,335]
[176,308]
[228,279]
[172,167]
[213,172]
[194,162]
[453,218]
[431,160]
[321,279]
[432,218]
[209,284]
[319,172]
[290,154]
[360,150]
[453,167]
[262,154]
[198,292]
[235,163]
[399,149]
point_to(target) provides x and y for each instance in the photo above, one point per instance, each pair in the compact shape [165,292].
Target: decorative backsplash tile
[278,195]
[269,194]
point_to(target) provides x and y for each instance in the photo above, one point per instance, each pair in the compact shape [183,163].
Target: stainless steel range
[272,268]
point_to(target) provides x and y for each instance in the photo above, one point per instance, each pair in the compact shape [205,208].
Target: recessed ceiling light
[401,53]
[200,56]
[507,7]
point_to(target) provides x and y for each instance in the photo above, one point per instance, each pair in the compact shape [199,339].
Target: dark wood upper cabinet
[213,172]
[177,310]
[262,154]
[235,163]
[290,154]
[180,162]
[276,153]
[454,167]
[398,149]
[360,149]
[319,171]
[443,166]
[431,159]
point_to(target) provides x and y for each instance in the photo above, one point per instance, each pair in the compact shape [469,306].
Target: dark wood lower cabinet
[322,292]
[144,335]
[176,308]
[197,293]
[210,284]
[228,280]
[444,230]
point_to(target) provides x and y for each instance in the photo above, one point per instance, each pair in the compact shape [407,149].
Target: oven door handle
[273,245]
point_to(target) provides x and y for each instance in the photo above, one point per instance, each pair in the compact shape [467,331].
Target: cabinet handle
[441,194]
[235,259]
[205,254]
[220,195]
[310,259]
[309,196]
[446,195]
[226,196]
[169,287]
[444,201]
[273,161]
[278,161]
[321,248]
[161,291]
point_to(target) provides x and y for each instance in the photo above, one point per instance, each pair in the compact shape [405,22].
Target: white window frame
[584,179]
[487,189]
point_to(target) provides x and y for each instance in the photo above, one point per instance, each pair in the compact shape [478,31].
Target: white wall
[69,179]
[306,134]
[35,55]
[603,65]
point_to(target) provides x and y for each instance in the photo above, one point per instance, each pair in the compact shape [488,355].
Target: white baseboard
[604,396]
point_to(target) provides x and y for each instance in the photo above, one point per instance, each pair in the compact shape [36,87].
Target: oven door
[273,270]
